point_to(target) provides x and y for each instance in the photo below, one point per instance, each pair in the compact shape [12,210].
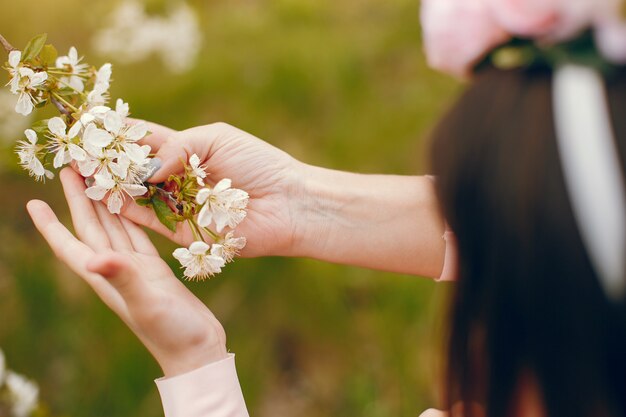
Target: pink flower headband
[459,34]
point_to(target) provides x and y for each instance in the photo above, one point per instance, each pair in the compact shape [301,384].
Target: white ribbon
[593,174]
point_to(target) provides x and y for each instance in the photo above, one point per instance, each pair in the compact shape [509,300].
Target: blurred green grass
[338,84]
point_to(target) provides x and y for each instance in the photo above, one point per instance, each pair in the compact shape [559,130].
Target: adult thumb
[175,152]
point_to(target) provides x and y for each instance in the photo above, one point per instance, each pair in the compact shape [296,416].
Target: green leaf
[164,213]
[49,55]
[34,46]
[40,126]
[144,202]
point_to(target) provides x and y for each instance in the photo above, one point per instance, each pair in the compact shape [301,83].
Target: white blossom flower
[197,170]
[71,62]
[223,205]
[28,153]
[103,160]
[200,261]
[126,136]
[23,393]
[66,150]
[25,87]
[232,245]
[116,189]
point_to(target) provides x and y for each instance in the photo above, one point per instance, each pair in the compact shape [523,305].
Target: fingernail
[152,167]
[89,181]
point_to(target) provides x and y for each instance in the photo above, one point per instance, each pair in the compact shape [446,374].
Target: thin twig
[60,106]
[6,45]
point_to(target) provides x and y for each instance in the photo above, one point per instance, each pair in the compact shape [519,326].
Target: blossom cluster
[106,148]
[458,34]
[132,35]
[220,206]
[18,396]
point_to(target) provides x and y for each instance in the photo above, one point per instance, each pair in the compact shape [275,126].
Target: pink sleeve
[210,391]
[451,259]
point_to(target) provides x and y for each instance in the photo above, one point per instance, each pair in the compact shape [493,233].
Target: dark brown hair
[528,300]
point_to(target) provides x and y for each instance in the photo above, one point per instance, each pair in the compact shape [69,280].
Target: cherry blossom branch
[103,146]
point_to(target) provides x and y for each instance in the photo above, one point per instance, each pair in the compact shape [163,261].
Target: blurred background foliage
[341,84]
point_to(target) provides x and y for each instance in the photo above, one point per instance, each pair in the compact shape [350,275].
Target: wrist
[198,351]
[318,210]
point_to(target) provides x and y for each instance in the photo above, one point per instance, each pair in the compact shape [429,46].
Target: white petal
[26,72]
[198,248]
[137,131]
[114,203]
[96,192]
[88,167]
[77,153]
[119,169]
[57,126]
[104,181]
[87,118]
[222,185]
[104,74]
[217,250]
[31,135]
[121,108]
[74,130]
[24,104]
[97,137]
[36,167]
[203,195]
[194,161]
[221,220]
[205,217]
[62,61]
[113,122]
[73,55]
[135,190]
[15,84]
[135,152]
[38,78]
[59,158]
[14,58]
[77,83]
[99,111]
[183,256]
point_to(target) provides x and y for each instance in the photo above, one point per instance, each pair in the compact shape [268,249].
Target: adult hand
[120,263]
[382,222]
[272,178]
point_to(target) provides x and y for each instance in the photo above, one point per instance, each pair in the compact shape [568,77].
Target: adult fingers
[145,216]
[72,252]
[120,271]
[84,217]
[140,240]
[118,237]
[158,134]
[177,150]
